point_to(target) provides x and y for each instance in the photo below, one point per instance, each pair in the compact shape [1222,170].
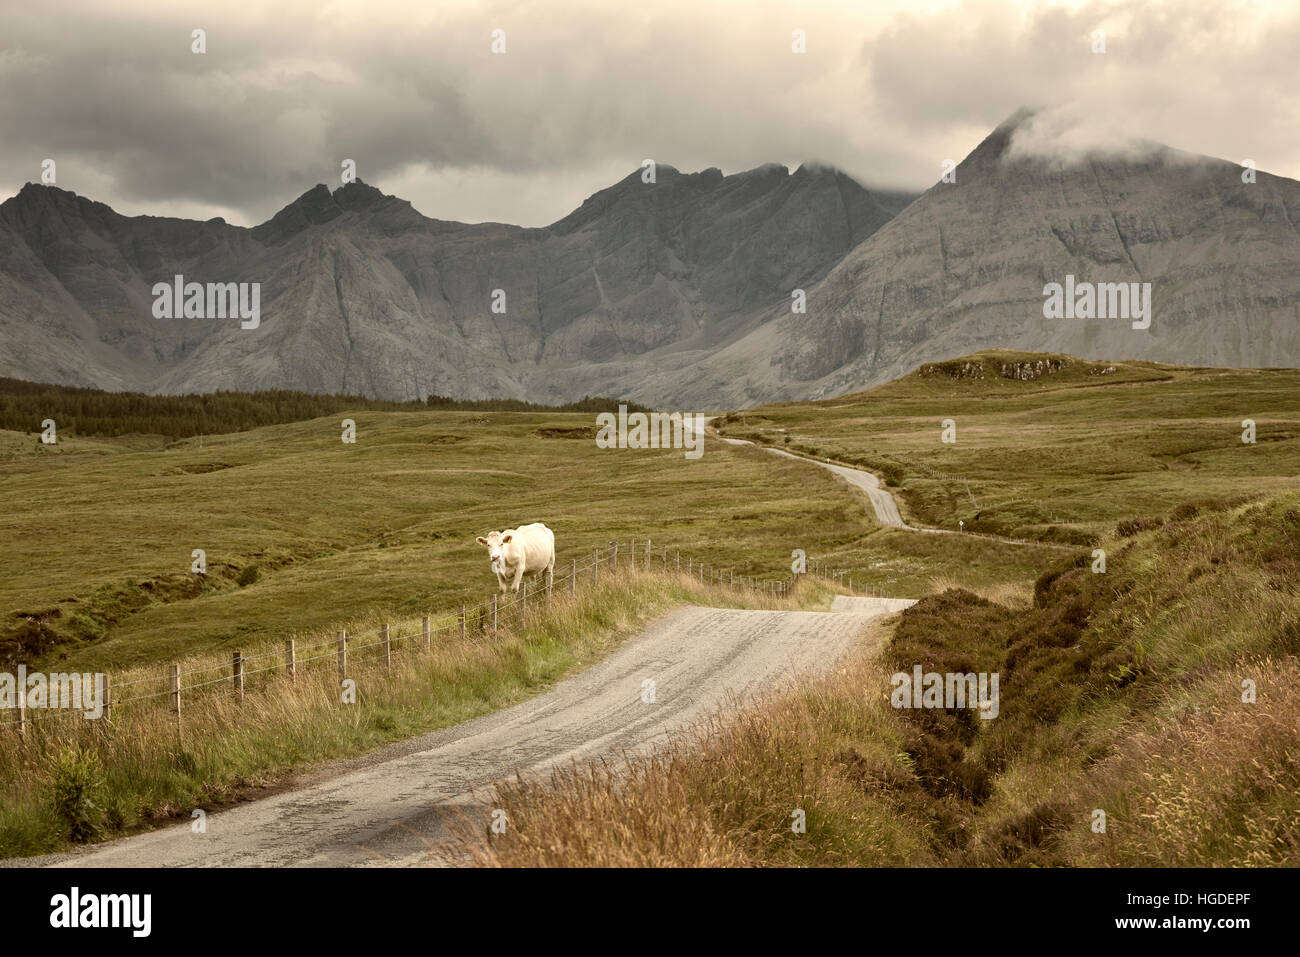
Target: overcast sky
[586,90]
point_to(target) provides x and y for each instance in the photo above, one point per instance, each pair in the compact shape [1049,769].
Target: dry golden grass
[1214,783]
[1120,692]
[153,768]
[723,794]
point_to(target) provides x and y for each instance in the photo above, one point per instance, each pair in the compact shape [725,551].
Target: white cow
[526,550]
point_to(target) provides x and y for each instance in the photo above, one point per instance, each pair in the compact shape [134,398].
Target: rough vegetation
[1064,456]
[1120,692]
[71,780]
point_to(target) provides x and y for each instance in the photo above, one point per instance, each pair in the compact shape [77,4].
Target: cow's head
[496,542]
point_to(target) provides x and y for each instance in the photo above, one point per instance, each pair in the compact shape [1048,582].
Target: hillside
[963,269]
[676,293]
[360,294]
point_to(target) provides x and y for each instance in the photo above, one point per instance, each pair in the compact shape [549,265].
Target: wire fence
[483,620]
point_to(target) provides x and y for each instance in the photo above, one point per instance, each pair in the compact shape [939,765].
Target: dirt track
[389,809]
[883,503]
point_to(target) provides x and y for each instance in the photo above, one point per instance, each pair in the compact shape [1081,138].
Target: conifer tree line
[85,411]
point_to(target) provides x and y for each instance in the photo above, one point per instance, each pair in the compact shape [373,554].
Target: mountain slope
[963,269]
[674,293]
[360,293]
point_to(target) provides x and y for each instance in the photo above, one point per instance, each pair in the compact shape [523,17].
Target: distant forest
[80,411]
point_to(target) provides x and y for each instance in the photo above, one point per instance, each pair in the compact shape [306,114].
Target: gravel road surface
[394,807]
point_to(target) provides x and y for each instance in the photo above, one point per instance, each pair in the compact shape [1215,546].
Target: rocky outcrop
[1023,371]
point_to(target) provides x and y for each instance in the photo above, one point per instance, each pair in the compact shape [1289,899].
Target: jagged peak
[359,195]
[43,192]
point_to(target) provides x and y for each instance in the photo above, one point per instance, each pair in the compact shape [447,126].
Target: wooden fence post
[523,604]
[388,647]
[631,555]
[494,615]
[573,579]
[343,655]
[679,562]
[237,674]
[613,557]
[22,712]
[647,554]
[291,659]
[176,691]
[106,695]
[595,567]
[665,558]
[424,627]
[461,622]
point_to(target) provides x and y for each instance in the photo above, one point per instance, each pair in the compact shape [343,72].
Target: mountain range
[676,292]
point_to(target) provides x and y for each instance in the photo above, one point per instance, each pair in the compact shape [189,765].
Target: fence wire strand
[479,620]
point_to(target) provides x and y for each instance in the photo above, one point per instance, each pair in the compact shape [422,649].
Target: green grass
[97,534]
[1063,457]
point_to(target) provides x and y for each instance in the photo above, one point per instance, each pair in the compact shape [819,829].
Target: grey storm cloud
[412,93]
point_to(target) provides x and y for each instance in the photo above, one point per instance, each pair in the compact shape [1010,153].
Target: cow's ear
[505,539]
[481,540]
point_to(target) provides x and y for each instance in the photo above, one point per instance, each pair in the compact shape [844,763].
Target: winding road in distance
[884,504]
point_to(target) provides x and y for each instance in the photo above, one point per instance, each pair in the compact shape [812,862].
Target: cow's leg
[550,574]
[501,582]
[519,575]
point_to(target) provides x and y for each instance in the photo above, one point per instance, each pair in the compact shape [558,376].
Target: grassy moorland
[1065,453]
[1120,691]
[1125,692]
[303,533]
